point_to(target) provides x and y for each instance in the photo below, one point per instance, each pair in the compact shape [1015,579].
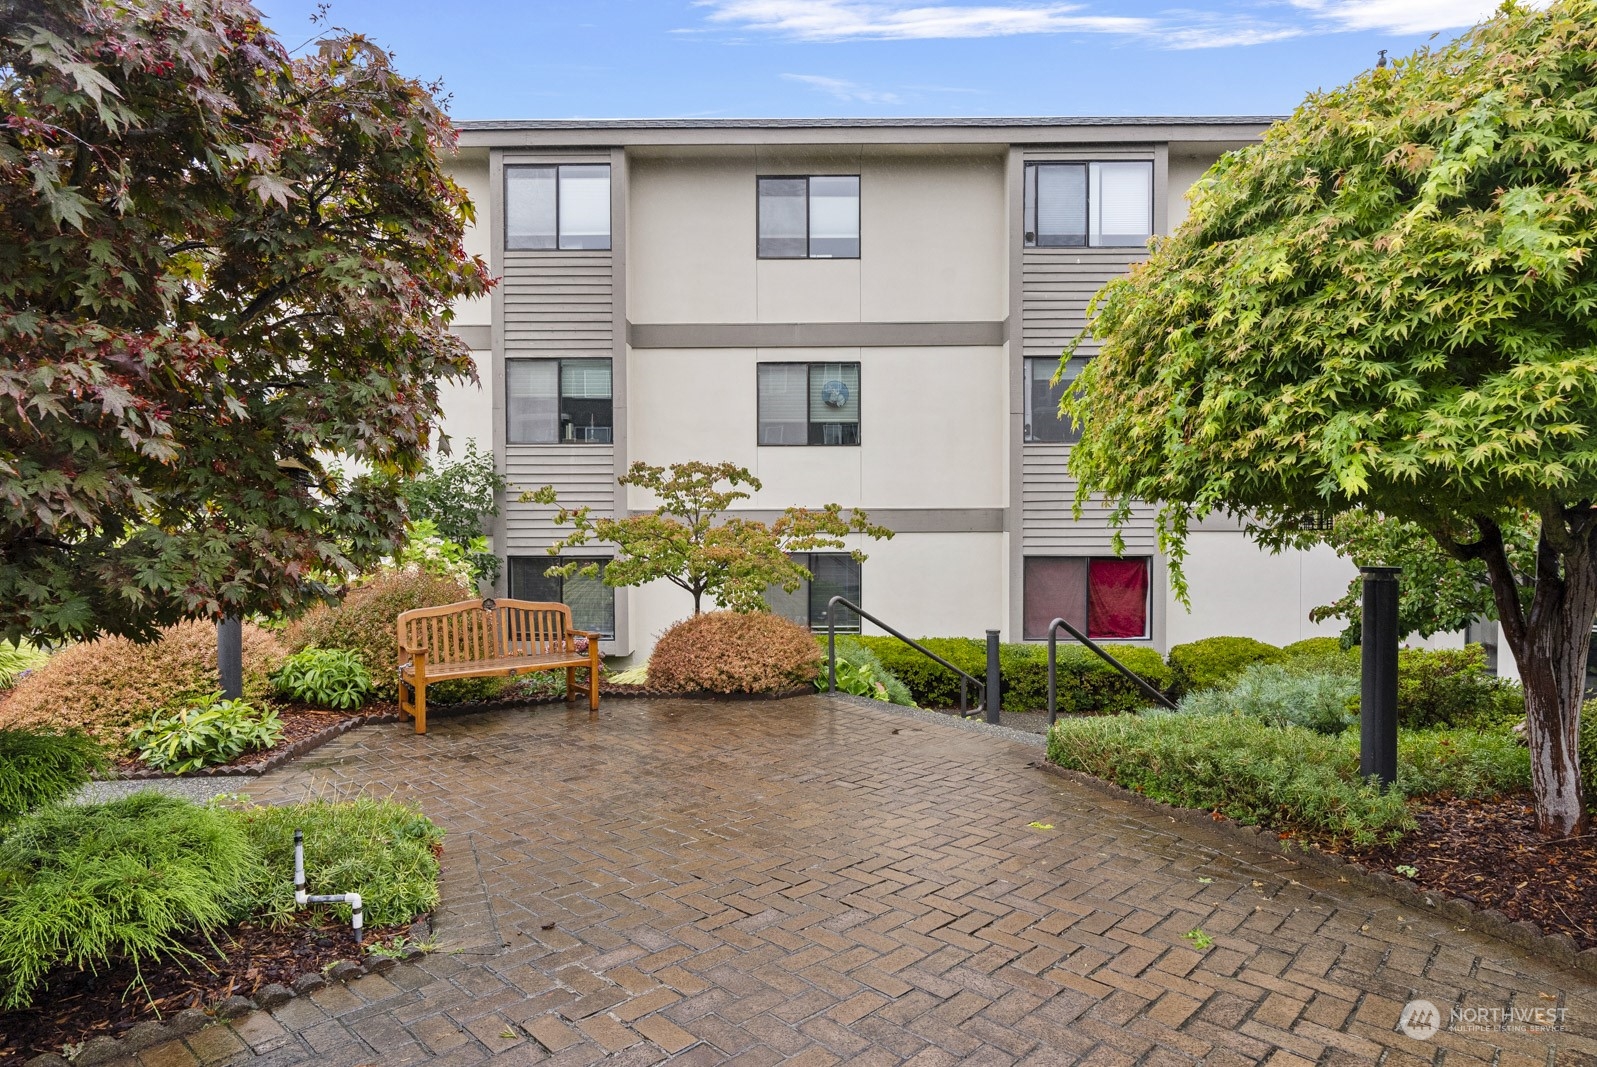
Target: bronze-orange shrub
[728,652]
[110,685]
[364,622]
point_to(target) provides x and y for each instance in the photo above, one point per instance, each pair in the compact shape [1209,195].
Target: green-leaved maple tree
[1391,304]
[223,269]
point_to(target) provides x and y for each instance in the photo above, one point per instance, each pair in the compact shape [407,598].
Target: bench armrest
[591,635]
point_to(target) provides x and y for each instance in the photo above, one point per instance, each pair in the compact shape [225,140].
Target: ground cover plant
[325,677]
[732,652]
[110,685]
[205,734]
[37,768]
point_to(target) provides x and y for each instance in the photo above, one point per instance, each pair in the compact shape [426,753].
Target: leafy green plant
[861,673]
[381,849]
[1451,687]
[1200,940]
[17,658]
[454,498]
[1215,662]
[83,886]
[1286,778]
[37,768]
[1274,694]
[399,948]
[204,735]
[326,677]
[1407,870]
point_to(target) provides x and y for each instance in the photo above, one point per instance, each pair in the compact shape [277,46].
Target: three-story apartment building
[860,311]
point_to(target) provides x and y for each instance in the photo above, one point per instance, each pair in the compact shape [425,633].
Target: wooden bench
[490,639]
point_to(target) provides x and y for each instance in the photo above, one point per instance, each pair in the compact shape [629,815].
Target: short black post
[1378,693]
[230,656]
[992,676]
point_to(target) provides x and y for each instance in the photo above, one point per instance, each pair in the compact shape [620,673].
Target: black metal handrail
[1053,649]
[965,680]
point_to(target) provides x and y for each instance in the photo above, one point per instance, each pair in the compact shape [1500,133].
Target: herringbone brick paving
[819,881]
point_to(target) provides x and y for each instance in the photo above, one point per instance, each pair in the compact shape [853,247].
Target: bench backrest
[475,630]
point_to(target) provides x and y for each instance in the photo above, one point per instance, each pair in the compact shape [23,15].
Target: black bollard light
[1378,691]
[230,656]
[992,676]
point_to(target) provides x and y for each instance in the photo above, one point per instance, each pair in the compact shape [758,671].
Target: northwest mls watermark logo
[1421,1019]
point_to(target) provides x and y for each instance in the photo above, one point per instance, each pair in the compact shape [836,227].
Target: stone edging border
[272,762]
[1561,948]
[104,1048]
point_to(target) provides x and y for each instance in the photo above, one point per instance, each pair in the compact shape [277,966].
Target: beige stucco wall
[469,408]
[1184,170]
[932,240]
[470,171]
[1239,589]
[932,425]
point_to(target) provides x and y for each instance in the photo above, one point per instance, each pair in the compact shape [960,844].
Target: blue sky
[762,58]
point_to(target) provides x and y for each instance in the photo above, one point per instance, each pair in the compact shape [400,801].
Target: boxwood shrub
[1086,683]
[1216,661]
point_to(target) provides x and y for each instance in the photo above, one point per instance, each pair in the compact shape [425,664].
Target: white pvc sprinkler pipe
[302,898]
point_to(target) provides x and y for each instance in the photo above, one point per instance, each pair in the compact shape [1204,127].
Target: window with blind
[1105,597]
[558,401]
[808,218]
[1089,205]
[592,603]
[809,403]
[835,574]
[1043,421]
[557,207]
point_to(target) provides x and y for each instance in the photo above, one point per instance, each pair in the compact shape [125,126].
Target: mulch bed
[1489,854]
[73,1006]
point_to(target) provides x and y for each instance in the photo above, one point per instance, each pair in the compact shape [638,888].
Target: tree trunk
[698,595]
[1550,643]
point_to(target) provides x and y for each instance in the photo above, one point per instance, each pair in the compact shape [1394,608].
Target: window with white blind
[557,207]
[1043,421]
[592,603]
[809,218]
[1095,205]
[809,403]
[558,401]
[835,574]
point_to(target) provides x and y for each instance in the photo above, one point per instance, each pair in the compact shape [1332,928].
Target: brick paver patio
[817,881]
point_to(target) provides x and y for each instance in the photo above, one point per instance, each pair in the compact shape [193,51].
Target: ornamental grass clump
[108,686]
[86,886]
[16,659]
[728,653]
[37,768]
[1285,778]
[381,849]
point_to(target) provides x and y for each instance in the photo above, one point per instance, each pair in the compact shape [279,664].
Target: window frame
[1086,616]
[1072,433]
[809,236]
[560,377]
[505,178]
[560,561]
[1030,238]
[804,559]
[809,423]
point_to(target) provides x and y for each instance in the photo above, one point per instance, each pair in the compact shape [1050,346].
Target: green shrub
[204,735]
[1215,662]
[365,623]
[1450,687]
[1277,696]
[1286,778]
[37,768]
[1322,655]
[106,687]
[15,659]
[88,886]
[1588,751]
[326,677]
[1459,762]
[381,849]
[861,673]
[733,652]
[1085,682]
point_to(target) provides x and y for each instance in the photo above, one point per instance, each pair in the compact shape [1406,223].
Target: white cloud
[843,89]
[1399,16]
[840,20]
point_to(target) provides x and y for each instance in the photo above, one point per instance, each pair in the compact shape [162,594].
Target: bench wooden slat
[476,639]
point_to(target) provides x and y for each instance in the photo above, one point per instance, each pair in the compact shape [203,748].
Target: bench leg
[420,707]
[593,678]
[571,684]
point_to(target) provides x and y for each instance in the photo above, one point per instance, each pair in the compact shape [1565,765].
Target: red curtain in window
[1117,598]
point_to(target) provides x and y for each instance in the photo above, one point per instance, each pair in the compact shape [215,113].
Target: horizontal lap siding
[558,303]
[1058,286]
[583,475]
